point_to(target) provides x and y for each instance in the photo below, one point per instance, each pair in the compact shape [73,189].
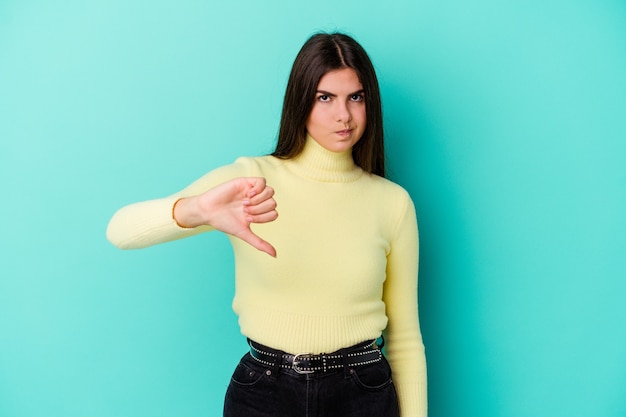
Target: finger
[267,217]
[262,207]
[249,237]
[256,184]
[265,194]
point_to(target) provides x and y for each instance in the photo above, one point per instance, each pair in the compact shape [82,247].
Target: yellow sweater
[346,265]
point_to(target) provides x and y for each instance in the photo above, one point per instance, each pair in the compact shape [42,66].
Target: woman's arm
[224,199]
[404,346]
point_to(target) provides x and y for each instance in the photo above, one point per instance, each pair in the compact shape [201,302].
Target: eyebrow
[328,93]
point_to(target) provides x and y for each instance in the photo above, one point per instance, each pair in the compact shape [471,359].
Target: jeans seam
[308,382]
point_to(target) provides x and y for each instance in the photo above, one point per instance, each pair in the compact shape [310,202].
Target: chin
[341,147]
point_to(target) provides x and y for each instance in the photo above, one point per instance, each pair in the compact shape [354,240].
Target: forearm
[147,223]
[156,221]
[405,349]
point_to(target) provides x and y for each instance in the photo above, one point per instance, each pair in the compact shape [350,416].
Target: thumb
[249,237]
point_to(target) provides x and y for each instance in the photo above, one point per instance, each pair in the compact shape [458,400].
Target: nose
[342,112]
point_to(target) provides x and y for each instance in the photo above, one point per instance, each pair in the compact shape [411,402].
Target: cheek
[362,115]
[311,120]
[314,117]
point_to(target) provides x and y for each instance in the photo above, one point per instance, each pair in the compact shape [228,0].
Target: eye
[357,97]
[323,98]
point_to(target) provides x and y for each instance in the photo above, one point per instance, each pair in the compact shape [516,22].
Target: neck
[320,164]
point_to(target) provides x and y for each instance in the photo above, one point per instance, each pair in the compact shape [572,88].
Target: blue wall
[505,122]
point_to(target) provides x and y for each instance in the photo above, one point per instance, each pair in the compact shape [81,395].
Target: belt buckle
[295,361]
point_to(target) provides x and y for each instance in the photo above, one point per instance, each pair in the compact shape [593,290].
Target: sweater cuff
[413,400]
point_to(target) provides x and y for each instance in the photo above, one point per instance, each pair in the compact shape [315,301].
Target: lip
[344,133]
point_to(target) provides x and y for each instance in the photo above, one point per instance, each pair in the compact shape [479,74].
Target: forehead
[340,80]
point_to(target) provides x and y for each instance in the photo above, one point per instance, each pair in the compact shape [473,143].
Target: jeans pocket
[374,377]
[246,375]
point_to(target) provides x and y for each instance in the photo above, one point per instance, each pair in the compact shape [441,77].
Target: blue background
[505,121]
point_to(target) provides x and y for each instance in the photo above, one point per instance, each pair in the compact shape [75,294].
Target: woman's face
[337,120]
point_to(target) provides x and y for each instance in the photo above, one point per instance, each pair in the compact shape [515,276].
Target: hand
[231,207]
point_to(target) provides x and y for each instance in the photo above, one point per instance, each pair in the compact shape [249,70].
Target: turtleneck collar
[320,164]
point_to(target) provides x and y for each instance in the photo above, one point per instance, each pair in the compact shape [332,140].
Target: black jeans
[257,390]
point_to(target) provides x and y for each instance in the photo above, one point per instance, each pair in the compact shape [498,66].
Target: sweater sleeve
[404,347]
[151,222]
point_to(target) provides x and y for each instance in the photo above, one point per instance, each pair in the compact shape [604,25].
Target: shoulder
[256,165]
[389,189]
[393,202]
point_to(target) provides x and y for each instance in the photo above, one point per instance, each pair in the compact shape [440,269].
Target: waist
[295,332]
[361,354]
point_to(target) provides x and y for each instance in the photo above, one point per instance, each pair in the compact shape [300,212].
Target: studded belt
[306,363]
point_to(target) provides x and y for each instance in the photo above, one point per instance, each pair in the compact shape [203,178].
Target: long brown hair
[321,53]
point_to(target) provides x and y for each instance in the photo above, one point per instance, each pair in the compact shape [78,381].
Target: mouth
[344,133]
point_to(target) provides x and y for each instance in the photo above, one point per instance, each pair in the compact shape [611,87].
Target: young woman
[317,287]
